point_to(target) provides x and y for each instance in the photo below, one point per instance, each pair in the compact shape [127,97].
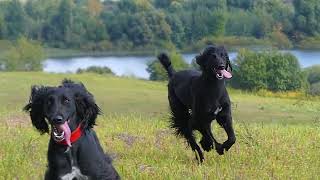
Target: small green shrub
[96,69]
[314,89]
[251,71]
[158,73]
[25,55]
[313,74]
[313,77]
[269,70]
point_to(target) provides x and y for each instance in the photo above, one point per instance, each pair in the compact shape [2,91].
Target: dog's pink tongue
[67,132]
[226,74]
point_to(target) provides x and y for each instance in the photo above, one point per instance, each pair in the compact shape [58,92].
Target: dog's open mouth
[62,132]
[220,74]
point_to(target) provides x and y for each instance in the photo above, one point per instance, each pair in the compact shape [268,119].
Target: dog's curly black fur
[86,154]
[196,98]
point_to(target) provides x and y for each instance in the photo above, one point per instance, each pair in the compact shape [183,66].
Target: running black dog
[197,98]
[74,150]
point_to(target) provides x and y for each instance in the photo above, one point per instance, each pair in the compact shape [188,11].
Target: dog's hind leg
[195,147]
[180,121]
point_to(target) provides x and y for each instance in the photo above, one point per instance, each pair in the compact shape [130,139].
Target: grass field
[276,138]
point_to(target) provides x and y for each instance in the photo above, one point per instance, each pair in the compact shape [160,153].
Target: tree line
[147,24]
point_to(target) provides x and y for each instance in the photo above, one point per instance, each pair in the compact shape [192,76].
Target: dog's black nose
[58,119]
[221,67]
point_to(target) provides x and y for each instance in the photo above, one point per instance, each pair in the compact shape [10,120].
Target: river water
[136,65]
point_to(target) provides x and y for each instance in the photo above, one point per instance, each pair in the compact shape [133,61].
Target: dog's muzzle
[219,76]
[221,73]
[57,136]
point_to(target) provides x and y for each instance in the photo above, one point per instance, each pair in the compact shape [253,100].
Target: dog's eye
[214,55]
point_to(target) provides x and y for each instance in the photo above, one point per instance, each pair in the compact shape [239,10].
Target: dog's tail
[166,63]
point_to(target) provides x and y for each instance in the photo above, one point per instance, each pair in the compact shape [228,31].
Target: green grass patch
[127,95]
[144,148]
[277,138]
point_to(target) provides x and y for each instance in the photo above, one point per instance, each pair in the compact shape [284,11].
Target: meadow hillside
[277,138]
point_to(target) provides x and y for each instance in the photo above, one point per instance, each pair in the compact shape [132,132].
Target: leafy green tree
[127,6]
[307,18]
[39,13]
[158,25]
[24,56]
[187,20]
[213,5]
[95,30]
[95,7]
[265,24]
[217,27]
[151,23]
[14,17]
[176,6]
[243,4]
[2,27]
[58,30]
[241,23]
[115,25]
[162,3]
[177,28]
[138,30]
[144,5]
[282,14]
[158,73]
[141,28]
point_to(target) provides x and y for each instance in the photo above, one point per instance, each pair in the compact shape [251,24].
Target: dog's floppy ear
[35,108]
[87,109]
[226,58]
[200,60]
[229,66]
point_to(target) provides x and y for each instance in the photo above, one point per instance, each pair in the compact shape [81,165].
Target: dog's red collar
[75,135]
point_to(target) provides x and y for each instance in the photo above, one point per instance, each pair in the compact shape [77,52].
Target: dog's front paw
[206,145]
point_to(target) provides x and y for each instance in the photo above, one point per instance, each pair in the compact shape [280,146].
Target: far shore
[69,53]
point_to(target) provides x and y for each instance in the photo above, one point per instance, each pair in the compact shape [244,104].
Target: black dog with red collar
[74,150]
